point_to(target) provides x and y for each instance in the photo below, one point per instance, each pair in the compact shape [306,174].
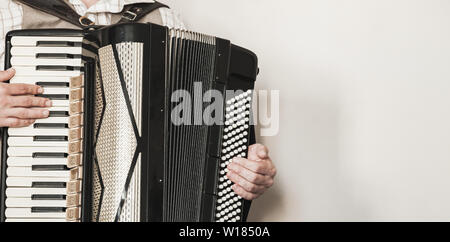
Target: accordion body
[112,149]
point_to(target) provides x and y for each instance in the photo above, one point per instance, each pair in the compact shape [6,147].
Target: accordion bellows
[136,163]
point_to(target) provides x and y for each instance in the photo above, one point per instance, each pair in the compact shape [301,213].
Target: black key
[49,168]
[59,114]
[48,185]
[50,138]
[53,84]
[57,56]
[59,68]
[55,96]
[58,44]
[50,155]
[48,197]
[47,210]
[50,126]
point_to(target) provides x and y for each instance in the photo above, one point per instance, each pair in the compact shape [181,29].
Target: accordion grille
[116,145]
[97,185]
[131,57]
[96,192]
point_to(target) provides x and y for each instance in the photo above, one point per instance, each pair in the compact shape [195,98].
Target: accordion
[145,120]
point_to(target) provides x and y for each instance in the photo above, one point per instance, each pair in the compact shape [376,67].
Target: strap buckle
[84,21]
[128,15]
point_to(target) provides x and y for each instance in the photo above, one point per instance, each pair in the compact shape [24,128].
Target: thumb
[262,152]
[258,152]
[7,75]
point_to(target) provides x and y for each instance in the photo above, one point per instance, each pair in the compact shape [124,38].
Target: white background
[365,95]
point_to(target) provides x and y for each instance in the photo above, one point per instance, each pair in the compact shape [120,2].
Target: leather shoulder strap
[135,12]
[59,9]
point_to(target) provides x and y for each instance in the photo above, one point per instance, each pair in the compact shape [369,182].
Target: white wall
[365,96]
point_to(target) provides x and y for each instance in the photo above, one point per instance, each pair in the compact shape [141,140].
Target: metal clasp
[85,21]
[128,15]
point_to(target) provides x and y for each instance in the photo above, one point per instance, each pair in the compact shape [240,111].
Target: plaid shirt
[11,16]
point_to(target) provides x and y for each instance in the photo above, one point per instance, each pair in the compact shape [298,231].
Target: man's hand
[18,105]
[252,176]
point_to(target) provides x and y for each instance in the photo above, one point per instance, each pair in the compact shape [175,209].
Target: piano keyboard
[43,160]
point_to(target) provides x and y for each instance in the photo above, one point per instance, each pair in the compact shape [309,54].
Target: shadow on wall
[268,205]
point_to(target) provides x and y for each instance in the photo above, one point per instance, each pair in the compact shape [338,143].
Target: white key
[29,141]
[35,220]
[33,51]
[33,61]
[28,181]
[66,109]
[56,90]
[28,151]
[29,161]
[27,202]
[31,131]
[26,213]
[32,72]
[53,120]
[34,80]
[28,172]
[60,103]
[28,192]
[32,40]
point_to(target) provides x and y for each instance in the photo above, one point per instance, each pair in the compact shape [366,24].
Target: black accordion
[145,120]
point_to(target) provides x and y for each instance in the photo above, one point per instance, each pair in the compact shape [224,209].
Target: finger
[24,89]
[26,113]
[244,194]
[242,182]
[249,175]
[264,167]
[29,101]
[16,123]
[6,75]
[258,152]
